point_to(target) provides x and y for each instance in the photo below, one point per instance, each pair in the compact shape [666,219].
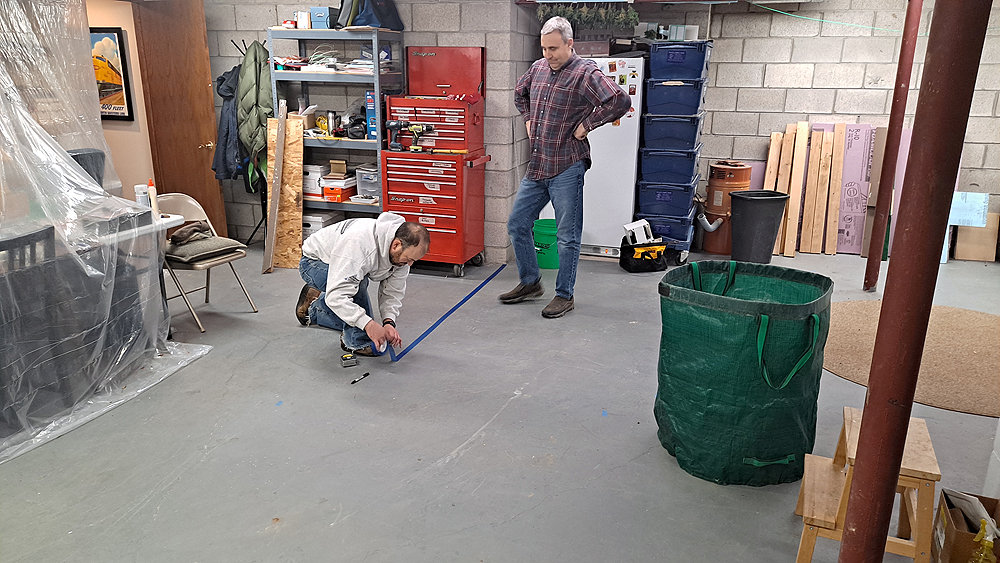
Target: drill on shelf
[415,129]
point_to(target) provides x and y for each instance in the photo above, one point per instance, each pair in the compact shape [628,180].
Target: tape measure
[348,360]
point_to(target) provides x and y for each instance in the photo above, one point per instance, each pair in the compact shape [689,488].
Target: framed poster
[111,71]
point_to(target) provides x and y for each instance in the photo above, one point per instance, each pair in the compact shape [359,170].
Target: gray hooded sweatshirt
[353,249]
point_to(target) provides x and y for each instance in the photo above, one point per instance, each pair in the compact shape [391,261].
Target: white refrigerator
[609,185]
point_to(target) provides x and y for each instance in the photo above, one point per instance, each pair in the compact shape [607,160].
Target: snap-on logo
[424,54]
[402,199]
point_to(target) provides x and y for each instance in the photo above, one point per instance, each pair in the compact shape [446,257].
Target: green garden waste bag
[741,354]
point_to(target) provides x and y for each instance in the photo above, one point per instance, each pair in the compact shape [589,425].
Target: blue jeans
[314,273]
[565,191]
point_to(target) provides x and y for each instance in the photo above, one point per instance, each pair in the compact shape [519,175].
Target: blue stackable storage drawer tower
[672,124]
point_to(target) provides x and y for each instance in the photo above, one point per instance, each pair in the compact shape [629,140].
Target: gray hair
[561,25]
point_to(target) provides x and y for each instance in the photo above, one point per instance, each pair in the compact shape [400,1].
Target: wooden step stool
[826,486]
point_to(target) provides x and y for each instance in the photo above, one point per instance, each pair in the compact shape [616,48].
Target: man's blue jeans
[314,273]
[565,191]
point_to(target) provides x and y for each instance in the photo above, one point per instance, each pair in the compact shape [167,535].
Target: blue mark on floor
[604,413]
[279,403]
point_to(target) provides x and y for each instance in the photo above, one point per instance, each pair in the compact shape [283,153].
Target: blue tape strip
[392,352]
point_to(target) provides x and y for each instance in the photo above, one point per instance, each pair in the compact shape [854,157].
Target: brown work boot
[306,297]
[365,351]
[557,307]
[522,292]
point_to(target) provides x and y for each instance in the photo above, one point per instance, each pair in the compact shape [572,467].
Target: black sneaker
[522,292]
[306,297]
[557,307]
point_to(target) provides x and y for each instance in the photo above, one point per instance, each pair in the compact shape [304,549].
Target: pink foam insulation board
[855,184]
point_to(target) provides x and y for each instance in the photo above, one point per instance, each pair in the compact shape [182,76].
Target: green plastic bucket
[545,244]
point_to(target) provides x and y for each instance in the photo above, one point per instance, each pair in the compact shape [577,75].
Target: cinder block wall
[510,35]
[769,69]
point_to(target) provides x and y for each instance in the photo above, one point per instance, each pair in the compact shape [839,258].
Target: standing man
[562,98]
[337,263]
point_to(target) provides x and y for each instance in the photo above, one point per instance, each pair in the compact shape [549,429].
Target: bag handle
[696,276]
[762,337]
[790,458]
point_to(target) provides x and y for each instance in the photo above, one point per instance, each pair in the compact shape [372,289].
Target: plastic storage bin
[688,59]
[666,166]
[674,97]
[369,182]
[667,199]
[672,131]
[673,227]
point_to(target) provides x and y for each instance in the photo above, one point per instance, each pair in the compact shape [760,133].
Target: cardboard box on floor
[953,541]
[978,243]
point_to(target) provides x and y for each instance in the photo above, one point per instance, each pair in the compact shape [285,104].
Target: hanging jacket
[227,163]
[253,100]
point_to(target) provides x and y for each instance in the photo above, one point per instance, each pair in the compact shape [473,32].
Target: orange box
[338,195]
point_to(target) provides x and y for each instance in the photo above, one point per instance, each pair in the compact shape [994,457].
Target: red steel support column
[883,202]
[952,62]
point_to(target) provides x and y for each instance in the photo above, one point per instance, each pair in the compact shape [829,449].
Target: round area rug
[960,369]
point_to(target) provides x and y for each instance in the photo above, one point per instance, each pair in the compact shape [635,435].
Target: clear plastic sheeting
[81,300]
[175,356]
[45,51]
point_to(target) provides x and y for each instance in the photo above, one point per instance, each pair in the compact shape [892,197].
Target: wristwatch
[389,322]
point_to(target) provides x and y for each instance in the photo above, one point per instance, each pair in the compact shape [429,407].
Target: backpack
[379,13]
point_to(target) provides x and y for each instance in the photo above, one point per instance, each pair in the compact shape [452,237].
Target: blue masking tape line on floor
[392,352]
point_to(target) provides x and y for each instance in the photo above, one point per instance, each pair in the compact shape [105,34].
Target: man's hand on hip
[581,132]
[527,125]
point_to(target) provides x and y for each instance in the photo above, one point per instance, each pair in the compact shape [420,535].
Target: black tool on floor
[364,375]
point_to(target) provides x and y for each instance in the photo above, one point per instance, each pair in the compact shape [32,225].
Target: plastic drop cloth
[81,302]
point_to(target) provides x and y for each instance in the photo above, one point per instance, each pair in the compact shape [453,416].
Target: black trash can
[756,220]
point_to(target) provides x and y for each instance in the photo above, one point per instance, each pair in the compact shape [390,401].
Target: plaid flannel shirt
[555,102]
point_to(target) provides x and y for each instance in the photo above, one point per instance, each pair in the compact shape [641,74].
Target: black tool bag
[643,257]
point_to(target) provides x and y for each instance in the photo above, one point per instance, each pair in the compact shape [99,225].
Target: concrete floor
[502,437]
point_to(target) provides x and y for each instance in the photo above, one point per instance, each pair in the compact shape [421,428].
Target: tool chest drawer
[432,218]
[458,124]
[423,175]
[442,192]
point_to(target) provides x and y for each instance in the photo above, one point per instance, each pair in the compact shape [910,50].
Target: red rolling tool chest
[441,185]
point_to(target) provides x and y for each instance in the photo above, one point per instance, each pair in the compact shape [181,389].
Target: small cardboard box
[952,541]
[308,120]
[338,195]
[978,243]
[338,167]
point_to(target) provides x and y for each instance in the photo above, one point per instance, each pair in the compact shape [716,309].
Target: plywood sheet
[773,156]
[812,185]
[288,227]
[795,188]
[822,192]
[836,177]
[784,173]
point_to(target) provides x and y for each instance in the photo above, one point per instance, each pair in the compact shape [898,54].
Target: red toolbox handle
[480,160]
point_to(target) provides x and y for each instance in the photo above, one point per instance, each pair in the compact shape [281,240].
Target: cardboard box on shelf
[337,194]
[313,221]
[953,539]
